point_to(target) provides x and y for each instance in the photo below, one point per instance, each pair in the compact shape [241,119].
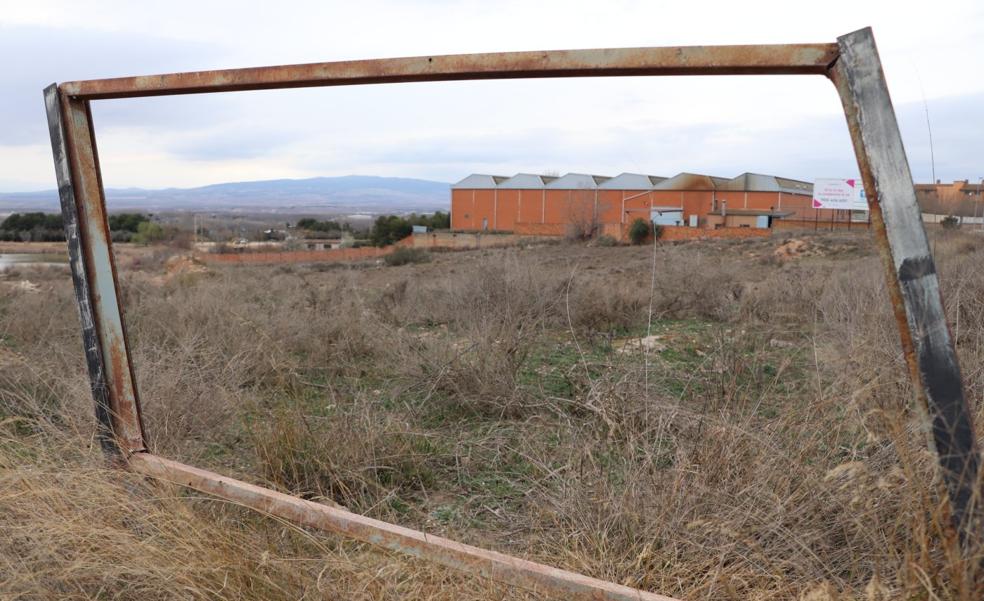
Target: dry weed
[766,448]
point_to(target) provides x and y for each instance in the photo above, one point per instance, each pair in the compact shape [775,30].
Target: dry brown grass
[764,447]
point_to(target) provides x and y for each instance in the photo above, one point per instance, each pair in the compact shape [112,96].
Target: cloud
[958,139]
[725,125]
[235,141]
[805,147]
[36,56]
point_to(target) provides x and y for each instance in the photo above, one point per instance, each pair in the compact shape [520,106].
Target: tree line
[313,225]
[390,229]
[385,230]
[138,227]
[49,227]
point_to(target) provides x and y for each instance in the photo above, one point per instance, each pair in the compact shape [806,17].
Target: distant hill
[349,193]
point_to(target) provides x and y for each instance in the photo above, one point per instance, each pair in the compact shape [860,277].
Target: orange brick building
[961,199]
[583,205]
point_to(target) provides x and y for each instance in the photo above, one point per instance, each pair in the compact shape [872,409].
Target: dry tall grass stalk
[767,448]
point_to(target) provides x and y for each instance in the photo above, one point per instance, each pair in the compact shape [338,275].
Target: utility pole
[929,128]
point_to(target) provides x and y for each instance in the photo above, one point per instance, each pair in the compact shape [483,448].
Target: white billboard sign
[845,194]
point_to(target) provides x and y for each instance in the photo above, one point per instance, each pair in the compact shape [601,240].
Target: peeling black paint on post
[102,282]
[915,268]
[911,276]
[952,429]
[69,208]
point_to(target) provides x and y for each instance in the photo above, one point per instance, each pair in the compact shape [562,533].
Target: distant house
[961,199]
[319,243]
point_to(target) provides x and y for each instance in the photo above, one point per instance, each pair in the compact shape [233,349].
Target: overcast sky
[724,126]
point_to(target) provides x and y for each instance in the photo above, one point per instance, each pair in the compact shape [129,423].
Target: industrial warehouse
[581,205]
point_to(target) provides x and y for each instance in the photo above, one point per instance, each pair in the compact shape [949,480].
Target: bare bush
[583,218]
[701,420]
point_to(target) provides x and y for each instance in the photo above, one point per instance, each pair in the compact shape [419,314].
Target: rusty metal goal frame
[852,64]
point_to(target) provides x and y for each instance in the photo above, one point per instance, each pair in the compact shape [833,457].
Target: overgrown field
[702,420]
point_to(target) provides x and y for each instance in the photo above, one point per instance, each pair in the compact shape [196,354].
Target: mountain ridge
[360,193]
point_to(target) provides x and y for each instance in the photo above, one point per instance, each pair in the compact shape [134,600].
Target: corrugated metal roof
[688,181]
[480,181]
[748,182]
[527,181]
[751,182]
[631,181]
[577,181]
[794,186]
[757,182]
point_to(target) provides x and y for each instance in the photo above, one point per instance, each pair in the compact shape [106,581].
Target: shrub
[313,225]
[950,222]
[389,229]
[436,221]
[147,233]
[606,240]
[404,256]
[758,424]
[25,222]
[32,227]
[639,231]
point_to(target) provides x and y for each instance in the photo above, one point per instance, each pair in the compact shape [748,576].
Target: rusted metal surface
[793,59]
[90,334]
[488,564]
[84,205]
[910,274]
[852,64]
[688,181]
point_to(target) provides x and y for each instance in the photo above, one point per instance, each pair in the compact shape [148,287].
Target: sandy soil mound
[179,266]
[793,249]
[652,343]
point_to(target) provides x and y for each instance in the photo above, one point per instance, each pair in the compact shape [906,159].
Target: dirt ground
[717,419]
[124,251]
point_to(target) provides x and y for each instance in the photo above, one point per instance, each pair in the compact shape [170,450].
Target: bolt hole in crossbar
[852,64]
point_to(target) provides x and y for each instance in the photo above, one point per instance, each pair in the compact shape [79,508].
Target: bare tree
[583,220]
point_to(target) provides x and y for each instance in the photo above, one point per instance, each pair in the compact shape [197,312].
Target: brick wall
[541,229]
[467,240]
[809,224]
